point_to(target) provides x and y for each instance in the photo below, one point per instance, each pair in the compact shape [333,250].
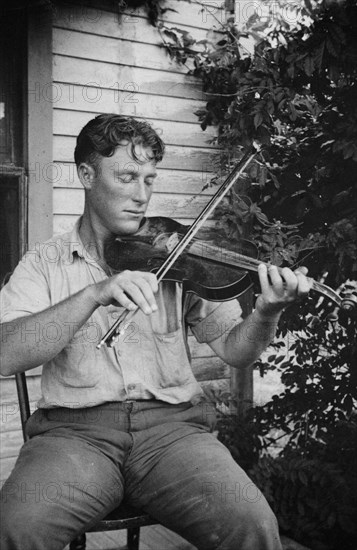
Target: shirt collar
[76,241]
[77,247]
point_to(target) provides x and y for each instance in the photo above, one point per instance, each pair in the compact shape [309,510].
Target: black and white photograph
[178,275]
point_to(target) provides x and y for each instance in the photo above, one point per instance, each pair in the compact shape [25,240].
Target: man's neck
[93,238]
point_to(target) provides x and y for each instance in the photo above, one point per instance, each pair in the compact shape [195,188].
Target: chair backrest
[24,404]
[21,386]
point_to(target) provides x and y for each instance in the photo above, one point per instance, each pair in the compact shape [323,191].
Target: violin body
[209,278]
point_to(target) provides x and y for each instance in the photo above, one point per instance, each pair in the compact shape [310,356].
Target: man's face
[121,190]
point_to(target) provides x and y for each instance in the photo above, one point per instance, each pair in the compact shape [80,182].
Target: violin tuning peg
[332,317]
[257,146]
[314,321]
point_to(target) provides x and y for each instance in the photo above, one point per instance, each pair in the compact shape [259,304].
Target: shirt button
[131,387]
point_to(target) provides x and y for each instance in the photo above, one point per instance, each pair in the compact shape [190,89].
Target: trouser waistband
[123,416]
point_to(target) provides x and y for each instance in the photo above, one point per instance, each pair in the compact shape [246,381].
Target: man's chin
[129,227]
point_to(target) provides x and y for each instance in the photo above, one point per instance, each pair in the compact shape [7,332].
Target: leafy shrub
[311,480]
[314,500]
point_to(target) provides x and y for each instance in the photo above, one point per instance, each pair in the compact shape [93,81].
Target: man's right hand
[129,289]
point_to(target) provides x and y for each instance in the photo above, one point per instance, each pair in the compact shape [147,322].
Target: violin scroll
[349,306]
[346,309]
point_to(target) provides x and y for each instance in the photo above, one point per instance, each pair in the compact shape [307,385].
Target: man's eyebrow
[131,172]
[125,170]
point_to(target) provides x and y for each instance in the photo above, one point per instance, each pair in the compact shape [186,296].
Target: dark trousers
[80,463]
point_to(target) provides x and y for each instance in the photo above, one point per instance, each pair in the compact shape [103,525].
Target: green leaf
[258,119]
[348,521]
[337,34]
[301,508]
[331,520]
[330,46]
[303,478]
[293,112]
[275,180]
[318,56]
[348,403]
[349,151]
[309,66]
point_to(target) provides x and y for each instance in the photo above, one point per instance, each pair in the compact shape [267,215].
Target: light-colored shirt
[151,360]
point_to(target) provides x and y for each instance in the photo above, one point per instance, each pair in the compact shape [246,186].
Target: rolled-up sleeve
[211,320]
[27,290]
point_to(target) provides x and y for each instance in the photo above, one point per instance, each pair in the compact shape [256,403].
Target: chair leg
[79,543]
[133,536]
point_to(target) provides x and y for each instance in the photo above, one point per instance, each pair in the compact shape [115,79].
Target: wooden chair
[124,517]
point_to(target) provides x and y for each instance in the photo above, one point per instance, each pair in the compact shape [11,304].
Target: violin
[210,270]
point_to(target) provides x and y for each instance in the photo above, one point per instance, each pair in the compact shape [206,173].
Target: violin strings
[200,249]
[221,255]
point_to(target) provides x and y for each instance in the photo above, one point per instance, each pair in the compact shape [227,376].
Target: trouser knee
[21,524]
[254,525]
[240,520]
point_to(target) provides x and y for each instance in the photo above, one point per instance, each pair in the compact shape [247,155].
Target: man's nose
[140,194]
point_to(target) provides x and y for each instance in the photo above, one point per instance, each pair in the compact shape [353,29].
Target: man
[128,420]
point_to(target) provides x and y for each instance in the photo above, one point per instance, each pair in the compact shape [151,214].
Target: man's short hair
[104,133]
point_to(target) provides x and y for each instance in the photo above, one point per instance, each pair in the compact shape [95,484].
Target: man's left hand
[280,287]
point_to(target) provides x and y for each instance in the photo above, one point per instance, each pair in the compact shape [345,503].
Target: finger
[140,287]
[147,284]
[135,292]
[122,299]
[275,278]
[304,283]
[302,270]
[263,278]
[151,279]
[290,282]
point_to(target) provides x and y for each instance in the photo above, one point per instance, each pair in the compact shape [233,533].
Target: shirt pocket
[76,366]
[171,366]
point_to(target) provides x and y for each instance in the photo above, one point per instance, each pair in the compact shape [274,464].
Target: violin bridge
[172,241]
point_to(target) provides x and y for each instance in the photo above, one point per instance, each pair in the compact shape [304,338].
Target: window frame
[39,126]
[20,184]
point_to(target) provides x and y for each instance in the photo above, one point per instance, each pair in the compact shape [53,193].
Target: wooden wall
[105,62]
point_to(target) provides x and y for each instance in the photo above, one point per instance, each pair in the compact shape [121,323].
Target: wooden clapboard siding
[69,122]
[94,99]
[180,133]
[113,50]
[196,159]
[110,76]
[193,16]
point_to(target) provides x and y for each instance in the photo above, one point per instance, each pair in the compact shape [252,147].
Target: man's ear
[86,174]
